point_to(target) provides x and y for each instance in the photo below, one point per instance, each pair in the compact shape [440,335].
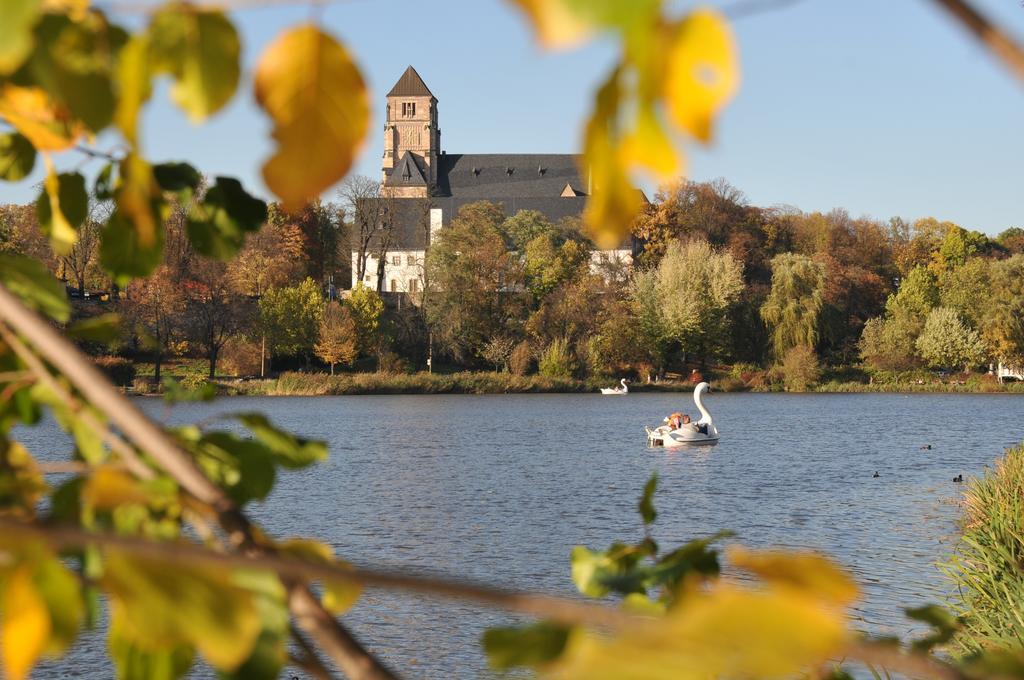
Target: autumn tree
[370,216]
[80,262]
[213,312]
[336,342]
[1003,322]
[154,306]
[273,257]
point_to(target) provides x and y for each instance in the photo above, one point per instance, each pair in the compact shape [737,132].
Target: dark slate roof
[411,220]
[410,85]
[497,177]
[407,172]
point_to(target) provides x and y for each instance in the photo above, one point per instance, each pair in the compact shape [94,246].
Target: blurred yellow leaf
[31,111]
[557,24]
[703,71]
[26,624]
[614,201]
[24,483]
[649,147]
[812,574]
[307,549]
[163,605]
[135,198]
[76,9]
[724,633]
[339,596]
[135,86]
[312,90]
[62,234]
[108,487]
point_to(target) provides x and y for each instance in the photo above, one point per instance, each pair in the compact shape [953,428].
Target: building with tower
[425,186]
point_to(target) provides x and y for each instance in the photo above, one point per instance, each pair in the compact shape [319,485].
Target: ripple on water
[500,488]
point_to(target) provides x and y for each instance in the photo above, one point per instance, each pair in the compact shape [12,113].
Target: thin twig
[556,608]
[1004,47]
[63,467]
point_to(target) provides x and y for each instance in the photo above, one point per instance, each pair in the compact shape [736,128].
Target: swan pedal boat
[701,432]
[616,390]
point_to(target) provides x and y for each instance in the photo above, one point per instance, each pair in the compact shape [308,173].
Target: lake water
[500,488]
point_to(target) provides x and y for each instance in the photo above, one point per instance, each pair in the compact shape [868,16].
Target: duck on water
[674,433]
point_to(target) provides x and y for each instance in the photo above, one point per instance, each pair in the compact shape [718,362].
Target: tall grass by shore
[986,568]
[464,382]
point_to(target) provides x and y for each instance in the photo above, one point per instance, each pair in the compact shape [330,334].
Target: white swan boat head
[616,390]
[701,432]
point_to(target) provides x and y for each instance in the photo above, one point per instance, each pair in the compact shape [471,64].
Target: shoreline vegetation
[188,375]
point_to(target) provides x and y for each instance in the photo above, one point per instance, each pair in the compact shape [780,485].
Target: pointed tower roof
[410,85]
[406,173]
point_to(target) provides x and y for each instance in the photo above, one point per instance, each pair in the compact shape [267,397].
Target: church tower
[412,138]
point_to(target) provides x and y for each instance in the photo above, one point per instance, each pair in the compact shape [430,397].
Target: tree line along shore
[756,298]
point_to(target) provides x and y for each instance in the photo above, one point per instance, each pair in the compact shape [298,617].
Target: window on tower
[408,109]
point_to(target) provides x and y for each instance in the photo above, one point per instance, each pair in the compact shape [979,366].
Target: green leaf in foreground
[102,328]
[646,507]
[62,207]
[289,451]
[524,645]
[17,157]
[31,281]
[217,226]
[16,32]
[200,49]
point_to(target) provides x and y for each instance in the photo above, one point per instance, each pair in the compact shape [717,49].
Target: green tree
[336,342]
[966,289]
[886,345]
[696,286]
[645,307]
[800,368]
[367,312]
[1003,323]
[957,246]
[524,226]
[476,283]
[290,318]
[557,360]
[948,342]
[547,265]
[917,295]
[794,303]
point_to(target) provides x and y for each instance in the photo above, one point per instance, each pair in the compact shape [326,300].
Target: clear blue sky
[882,107]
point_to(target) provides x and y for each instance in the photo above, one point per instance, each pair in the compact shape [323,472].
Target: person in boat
[675,420]
[687,423]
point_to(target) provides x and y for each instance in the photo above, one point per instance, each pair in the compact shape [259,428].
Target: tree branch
[295,570]
[88,380]
[1005,48]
